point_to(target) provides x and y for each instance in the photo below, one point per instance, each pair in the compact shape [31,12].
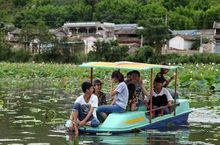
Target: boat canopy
[125,65]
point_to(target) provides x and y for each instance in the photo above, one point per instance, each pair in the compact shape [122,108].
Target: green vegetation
[184,14]
[199,77]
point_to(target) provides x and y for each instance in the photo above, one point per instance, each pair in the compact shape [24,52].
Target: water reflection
[153,137]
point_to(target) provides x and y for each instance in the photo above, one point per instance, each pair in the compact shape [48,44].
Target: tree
[52,16]
[108,51]
[5,50]
[142,54]
[38,32]
[155,33]
[117,11]
[19,3]
[180,22]
[173,4]
[152,11]
[212,15]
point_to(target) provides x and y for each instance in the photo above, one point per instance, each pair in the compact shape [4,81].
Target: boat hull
[139,120]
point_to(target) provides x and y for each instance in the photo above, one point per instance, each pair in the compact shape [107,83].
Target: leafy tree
[53,16]
[173,4]
[19,3]
[212,15]
[108,51]
[117,11]
[142,54]
[38,32]
[5,50]
[179,22]
[79,12]
[155,32]
[152,11]
[200,5]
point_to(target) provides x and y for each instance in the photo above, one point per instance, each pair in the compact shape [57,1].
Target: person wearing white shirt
[83,109]
[161,96]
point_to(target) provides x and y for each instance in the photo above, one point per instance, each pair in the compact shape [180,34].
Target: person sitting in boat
[161,96]
[140,90]
[128,77]
[120,94]
[161,75]
[83,109]
[98,92]
[166,82]
[132,106]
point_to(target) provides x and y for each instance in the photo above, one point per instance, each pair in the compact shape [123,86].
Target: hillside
[181,14]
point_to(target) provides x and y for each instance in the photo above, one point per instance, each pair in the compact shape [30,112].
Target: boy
[83,109]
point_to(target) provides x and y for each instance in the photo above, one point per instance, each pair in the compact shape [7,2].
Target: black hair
[136,72]
[131,90]
[129,73]
[118,76]
[158,80]
[85,86]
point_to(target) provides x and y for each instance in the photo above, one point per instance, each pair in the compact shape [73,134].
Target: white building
[181,42]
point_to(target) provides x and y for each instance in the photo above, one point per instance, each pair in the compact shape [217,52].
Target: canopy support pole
[151,94]
[175,92]
[91,75]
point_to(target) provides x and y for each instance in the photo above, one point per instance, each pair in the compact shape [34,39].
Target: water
[35,114]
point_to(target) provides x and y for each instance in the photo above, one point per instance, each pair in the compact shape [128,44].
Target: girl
[120,95]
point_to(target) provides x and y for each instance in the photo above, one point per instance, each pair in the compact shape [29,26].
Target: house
[181,42]
[216,27]
[126,35]
[87,29]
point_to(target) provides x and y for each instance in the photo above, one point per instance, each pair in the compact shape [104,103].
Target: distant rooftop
[184,32]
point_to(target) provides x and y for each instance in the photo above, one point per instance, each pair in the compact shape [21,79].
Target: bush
[20,56]
[5,52]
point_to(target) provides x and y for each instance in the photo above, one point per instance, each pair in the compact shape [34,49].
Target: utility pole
[201,48]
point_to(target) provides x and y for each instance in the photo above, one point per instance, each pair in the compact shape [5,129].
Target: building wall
[188,45]
[217,48]
[176,43]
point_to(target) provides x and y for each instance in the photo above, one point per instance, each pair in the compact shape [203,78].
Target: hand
[172,77]
[81,123]
[169,104]
[71,127]
[140,82]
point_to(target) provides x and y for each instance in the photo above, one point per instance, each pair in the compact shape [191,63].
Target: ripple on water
[204,115]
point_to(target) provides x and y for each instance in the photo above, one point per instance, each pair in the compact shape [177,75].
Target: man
[98,92]
[83,109]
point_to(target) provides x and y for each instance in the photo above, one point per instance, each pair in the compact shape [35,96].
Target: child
[83,109]
[132,98]
[120,99]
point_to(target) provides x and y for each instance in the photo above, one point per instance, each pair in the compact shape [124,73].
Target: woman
[120,95]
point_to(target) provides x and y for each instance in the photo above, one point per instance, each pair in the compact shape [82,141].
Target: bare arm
[142,88]
[166,83]
[89,114]
[113,101]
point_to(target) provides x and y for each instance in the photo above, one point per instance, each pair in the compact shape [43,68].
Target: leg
[107,109]
[79,112]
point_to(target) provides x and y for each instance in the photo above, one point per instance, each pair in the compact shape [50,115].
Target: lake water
[34,114]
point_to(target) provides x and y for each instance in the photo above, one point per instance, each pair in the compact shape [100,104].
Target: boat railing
[162,109]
